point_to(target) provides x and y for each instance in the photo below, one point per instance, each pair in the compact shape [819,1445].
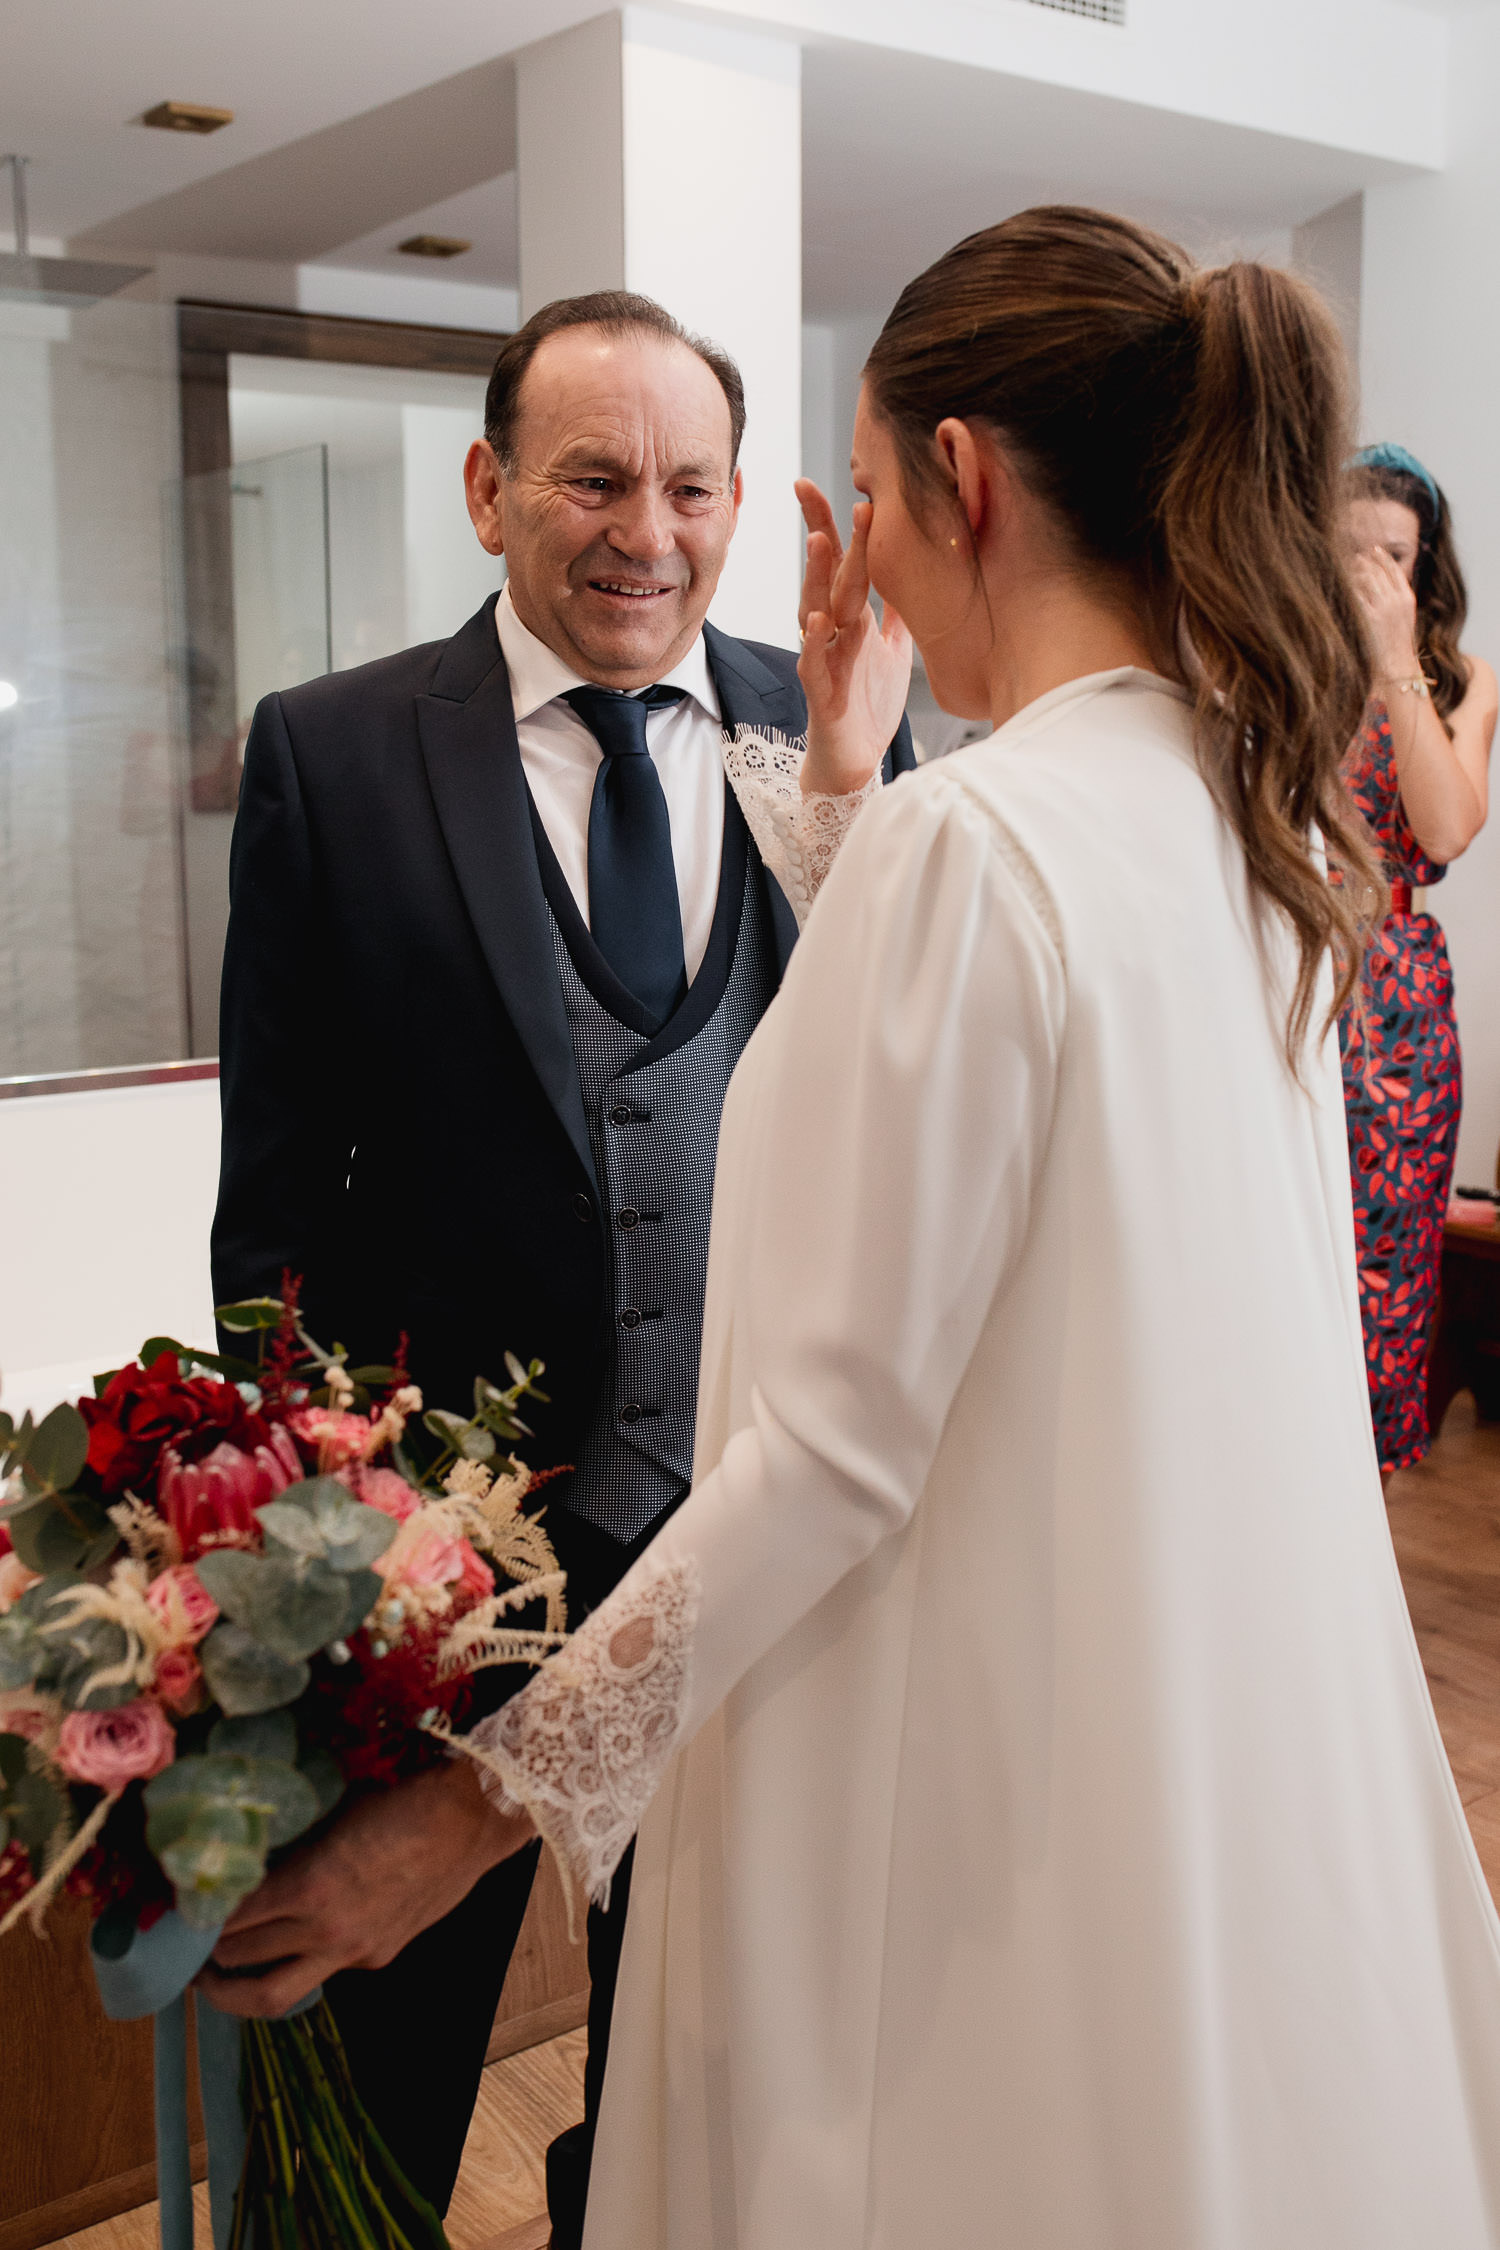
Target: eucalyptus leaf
[7,1428]
[364,1588]
[35,1807]
[290,1607]
[255,1312]
[4,1832]
[477,1444]
[274,1796]
[449,1427]
[58,1448]
[152,1349]
[269,1734]
[375,1378]
[22,1654]
[245,1678]
[214,1859]
[321,1518]
[49,1538]
[321,1773]
[12,1759]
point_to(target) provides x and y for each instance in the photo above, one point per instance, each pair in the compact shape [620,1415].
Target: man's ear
[484,489]
[737,490]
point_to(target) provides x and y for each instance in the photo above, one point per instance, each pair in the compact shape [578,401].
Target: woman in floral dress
[1419,774]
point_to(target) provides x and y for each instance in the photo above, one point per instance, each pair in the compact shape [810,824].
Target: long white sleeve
[798,836]
[875,1177]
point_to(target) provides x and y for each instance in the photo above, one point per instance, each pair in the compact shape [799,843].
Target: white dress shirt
[561,759]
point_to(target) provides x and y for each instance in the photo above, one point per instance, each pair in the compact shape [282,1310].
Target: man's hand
[390,1867]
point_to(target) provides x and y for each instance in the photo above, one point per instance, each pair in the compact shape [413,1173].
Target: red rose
[145,1409]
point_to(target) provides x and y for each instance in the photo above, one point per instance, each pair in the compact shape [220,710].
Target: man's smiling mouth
[629,588]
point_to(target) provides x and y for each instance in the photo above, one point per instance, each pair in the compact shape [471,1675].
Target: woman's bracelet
[1418,686]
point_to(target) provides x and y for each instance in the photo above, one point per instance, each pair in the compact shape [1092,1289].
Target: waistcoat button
[630,1217]
[631,1413]
[621,1114]
[582,1208]
[630,1319]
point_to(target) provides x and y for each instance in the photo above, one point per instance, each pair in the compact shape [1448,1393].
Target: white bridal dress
[1049,1844]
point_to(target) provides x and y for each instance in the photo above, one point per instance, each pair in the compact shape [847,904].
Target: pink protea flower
[182,1604]
[109,1748]
[384,1489]
[178,1680]
[212,1502]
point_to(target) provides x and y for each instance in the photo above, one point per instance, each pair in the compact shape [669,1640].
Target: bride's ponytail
[1268,628]
[1189,428]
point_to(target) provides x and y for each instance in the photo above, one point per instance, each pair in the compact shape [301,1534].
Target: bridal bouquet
[228,1592]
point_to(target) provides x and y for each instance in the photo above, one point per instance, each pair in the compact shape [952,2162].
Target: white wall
[1430,340]
[106,1199]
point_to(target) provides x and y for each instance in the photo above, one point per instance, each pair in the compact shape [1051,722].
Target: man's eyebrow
[589,459]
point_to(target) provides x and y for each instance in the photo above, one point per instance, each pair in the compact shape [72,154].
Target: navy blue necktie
[634,913]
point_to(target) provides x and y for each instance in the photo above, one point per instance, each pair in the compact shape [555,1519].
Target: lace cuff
[584,1745]
[798,837]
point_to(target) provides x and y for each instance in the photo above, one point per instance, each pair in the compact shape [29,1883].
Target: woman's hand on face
[1390,608]
[854,671]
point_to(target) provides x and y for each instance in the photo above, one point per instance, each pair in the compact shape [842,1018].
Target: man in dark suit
[498,936]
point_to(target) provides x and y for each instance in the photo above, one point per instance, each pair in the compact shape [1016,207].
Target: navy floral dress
[1403,1090]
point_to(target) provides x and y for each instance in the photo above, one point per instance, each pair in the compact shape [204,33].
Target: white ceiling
[359,123]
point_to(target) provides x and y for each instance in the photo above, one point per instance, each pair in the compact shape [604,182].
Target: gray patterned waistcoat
[655,1133]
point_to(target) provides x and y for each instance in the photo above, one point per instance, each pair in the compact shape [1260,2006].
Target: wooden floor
[500,2201]
[1445,1521]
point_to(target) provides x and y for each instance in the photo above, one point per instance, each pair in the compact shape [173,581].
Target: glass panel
[91,960]
[252,545]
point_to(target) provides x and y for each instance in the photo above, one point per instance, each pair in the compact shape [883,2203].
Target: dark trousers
[416,2032]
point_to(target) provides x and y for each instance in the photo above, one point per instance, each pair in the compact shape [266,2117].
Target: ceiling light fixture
[434,246]
[70,282]
[187,117]
[10,695]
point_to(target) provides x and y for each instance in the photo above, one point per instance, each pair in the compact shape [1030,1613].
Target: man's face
[620,506]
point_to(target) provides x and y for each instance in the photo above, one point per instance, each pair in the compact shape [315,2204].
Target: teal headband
[1405,464]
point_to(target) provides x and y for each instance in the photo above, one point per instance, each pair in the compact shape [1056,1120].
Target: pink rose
[109,1748]
[14,1580]
[334,1437]
[182,1604]
[178,1680]
[424,1555]
[476,1578]
[384,1489]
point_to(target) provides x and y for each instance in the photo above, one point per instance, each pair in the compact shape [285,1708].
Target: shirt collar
[538,677]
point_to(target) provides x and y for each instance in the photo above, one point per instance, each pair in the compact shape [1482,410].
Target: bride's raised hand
[854,670]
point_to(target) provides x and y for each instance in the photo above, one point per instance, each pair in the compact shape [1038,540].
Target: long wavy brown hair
[1189,428]
[1438,583]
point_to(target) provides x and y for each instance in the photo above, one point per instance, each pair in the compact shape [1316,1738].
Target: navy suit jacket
[402,1120]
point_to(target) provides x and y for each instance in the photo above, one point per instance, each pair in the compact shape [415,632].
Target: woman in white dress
[1049,1843]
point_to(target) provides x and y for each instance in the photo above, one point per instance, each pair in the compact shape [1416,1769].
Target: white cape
[1063,1855]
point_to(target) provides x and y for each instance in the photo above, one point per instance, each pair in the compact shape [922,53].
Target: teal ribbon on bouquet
[151,1978]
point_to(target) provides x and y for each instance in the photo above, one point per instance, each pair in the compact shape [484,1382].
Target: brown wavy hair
[1189,429]
[1438,583]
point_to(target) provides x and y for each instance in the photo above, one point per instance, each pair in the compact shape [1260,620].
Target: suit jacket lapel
[466,723]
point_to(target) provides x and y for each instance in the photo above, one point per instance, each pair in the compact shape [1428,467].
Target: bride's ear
[982,478]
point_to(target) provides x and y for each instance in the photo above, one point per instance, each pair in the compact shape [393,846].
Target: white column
[664,155]
[1429,339]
